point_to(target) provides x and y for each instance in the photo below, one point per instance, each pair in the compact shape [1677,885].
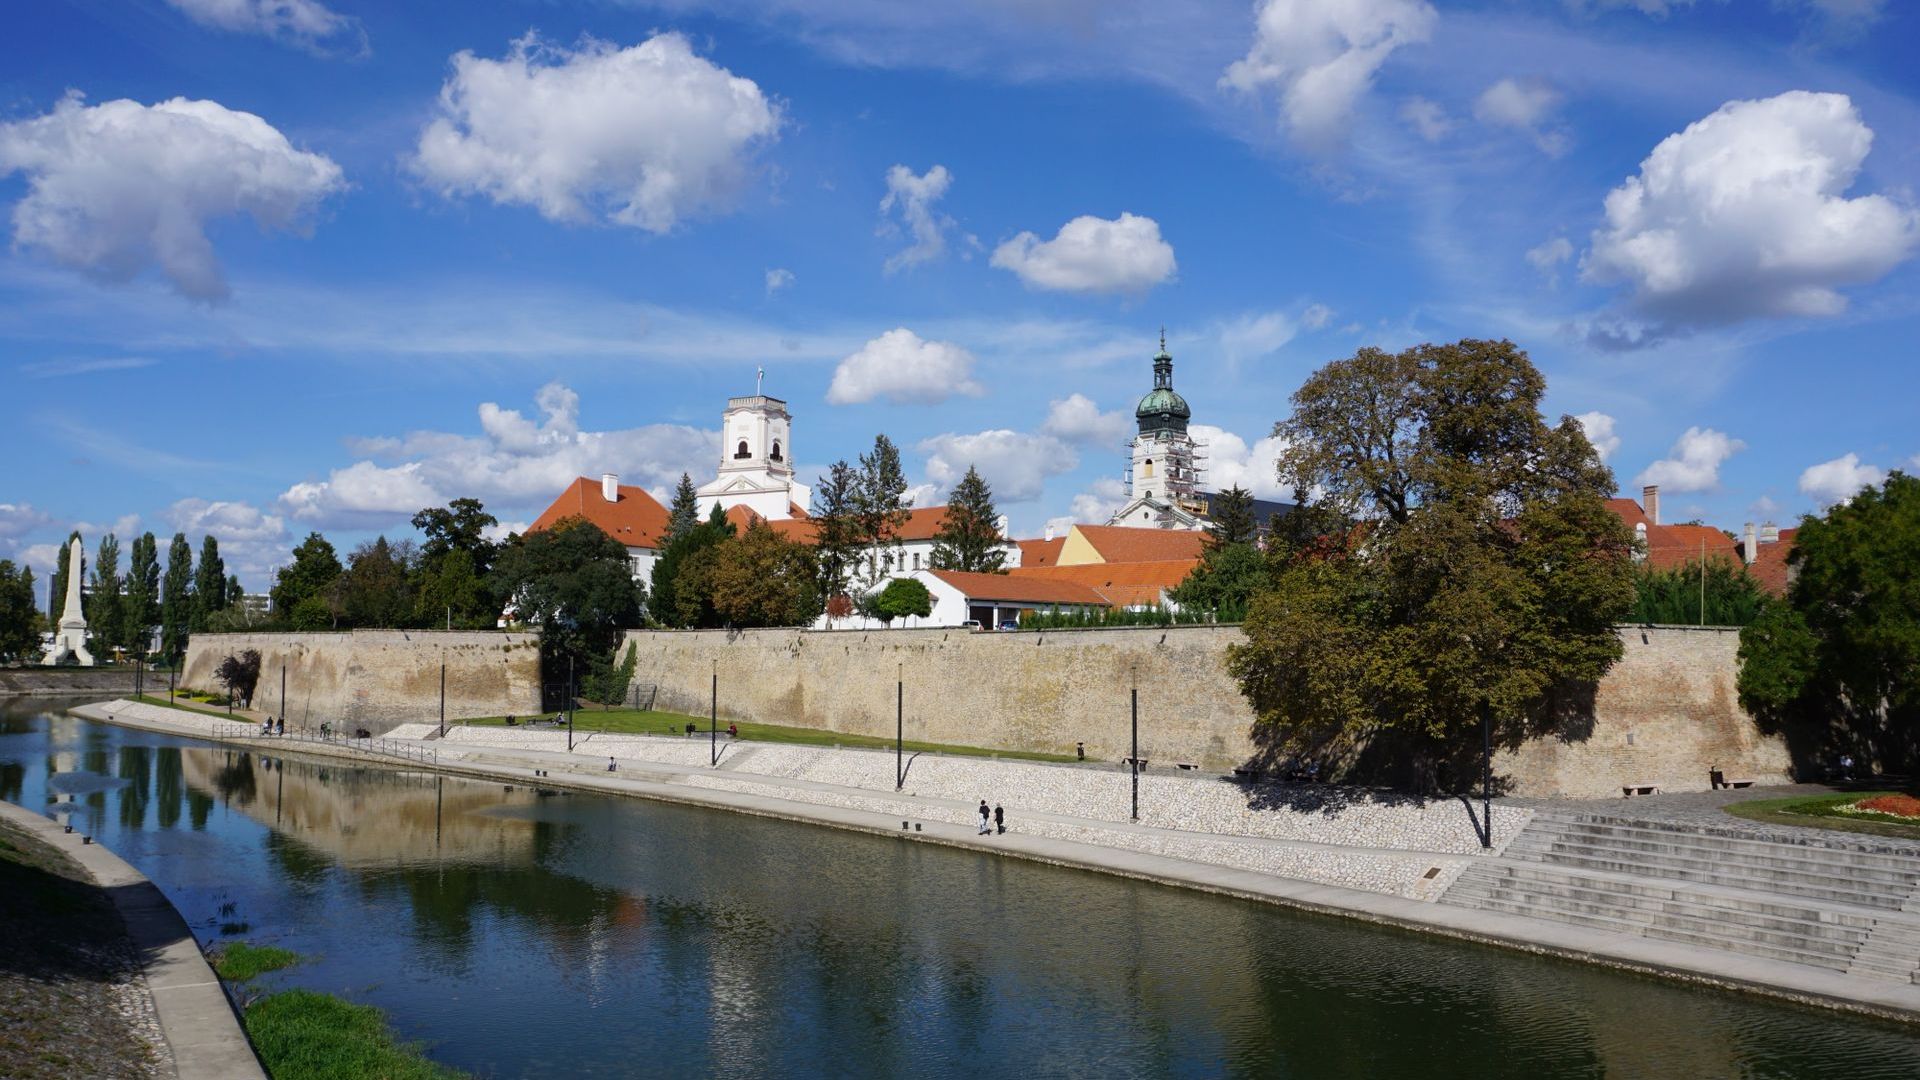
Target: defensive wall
[62,681]
[378,678]
[1664,715]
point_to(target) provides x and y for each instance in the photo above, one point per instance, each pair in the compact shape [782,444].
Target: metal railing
[379,747]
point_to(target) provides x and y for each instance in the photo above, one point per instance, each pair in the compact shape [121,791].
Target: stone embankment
[1379,858]
[69,681]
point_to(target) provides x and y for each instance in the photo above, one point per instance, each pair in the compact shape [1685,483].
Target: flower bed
[1904,807]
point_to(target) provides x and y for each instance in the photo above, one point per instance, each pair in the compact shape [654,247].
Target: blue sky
[313,264]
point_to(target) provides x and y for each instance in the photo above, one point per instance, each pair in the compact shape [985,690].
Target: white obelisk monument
[70,643]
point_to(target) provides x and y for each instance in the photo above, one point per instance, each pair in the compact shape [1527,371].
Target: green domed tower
[1163,483]
[1163,409]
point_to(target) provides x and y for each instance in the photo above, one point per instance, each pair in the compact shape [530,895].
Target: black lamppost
[139,675]
[899,725]
[1134,678]
[713,718]
[569,704]
[283,691]
[443,700]
[1486,776]
[170,686]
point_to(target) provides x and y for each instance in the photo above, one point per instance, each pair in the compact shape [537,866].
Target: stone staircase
[1844,904]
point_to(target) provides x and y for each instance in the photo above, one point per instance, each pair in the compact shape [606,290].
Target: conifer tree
[837,537]
[969,539]
[881,506]
[209,583]
[104,611]
[683,516]
[176,599]
[142,607]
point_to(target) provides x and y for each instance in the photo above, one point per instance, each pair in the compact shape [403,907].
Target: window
[1149,471]
[916,560]
[889,563]
[776,450]
[743,452]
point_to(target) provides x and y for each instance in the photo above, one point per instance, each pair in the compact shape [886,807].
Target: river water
[515,932]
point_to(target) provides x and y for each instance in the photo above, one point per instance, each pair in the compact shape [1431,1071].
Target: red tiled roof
[1671,546]
[922,522]
[1029,590]
[1769,566]
[801,529]
[636,520]
[1119,584]
[1041,552]
[1121,544]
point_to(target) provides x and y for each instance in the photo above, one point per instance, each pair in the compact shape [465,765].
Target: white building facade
[756,462]
[1164,475]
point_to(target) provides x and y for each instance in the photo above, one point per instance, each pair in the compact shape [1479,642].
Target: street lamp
[899,725]
[713,718]
[1486,776]
[1133,676]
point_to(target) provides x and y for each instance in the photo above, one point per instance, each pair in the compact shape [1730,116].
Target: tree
[837,529]
[1478,580]
[105,613]
[461,526]
[1837,661]
[880,503]
[209,583]
[573,582]
[235,594]
[176,599]
[683,516]
[902,597]
[20,619]
[57,599]
[240,674]
[969,539]
[142,607]
[606,684]
[1725,595]
[452,593]
[311,575]
[682,596]
[374,590]
[1232,567]
[764,579]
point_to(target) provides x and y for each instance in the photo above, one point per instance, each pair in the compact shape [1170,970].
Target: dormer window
[742,452]
[776,450]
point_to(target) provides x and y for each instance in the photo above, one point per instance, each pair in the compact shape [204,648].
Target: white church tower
[756,460]
[1163,481]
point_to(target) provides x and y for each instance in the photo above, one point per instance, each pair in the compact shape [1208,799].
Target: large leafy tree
[209,583]
[902,597]
[1477,579]
[573,582]
[461,525]
[310,576]
[375,589]
[1838,662]
[969,538]
[1232,568]
[142,607]
[838,540]
[880,504]
[20,619]
[105,614]
[176,599]
[682,590]
[763,579]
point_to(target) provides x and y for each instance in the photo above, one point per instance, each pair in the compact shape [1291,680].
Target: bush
[313,613]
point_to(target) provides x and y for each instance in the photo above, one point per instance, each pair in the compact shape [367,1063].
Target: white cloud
[1076,419]
[1524,105]
[305,24]
[1599,430]
[1744,214]
[1764,507]
[779,279]
[1846,14]
[1426,118]
[1694,462]
[644,136]
[514,464]
[1838,480]
[1550,254]
[1320,56]
[1316,317]
[117,187]
[1015,464]
[1254,335]
[1231,462]
[251,540]
[914,196]
[904,368]
[58,369]
[1092,255]
[43,558]
[17,519]
[1097,505]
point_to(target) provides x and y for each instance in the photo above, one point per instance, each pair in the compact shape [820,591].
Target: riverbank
[193,1028]
[1321,849]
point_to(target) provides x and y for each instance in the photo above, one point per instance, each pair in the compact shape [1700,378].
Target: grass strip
[1823,812]
[307,1035]
[654,722]
[239,961]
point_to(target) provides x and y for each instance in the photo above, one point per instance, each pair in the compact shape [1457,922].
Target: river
[517,932]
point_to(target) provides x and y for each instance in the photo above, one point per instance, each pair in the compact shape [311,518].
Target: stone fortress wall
[378,678]
[1664,715]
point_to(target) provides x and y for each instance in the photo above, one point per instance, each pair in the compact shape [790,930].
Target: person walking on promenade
[281,726]
[985,817]
[999,819]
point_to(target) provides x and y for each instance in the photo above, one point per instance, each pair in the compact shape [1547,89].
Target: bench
[1241,772]
[1629,790]
[1129,761]
[1738,783]
[1188,765]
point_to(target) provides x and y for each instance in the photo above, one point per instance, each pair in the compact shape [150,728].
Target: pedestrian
[610,765]
[986,816]
[999,819]
[266,726]
[733,731]
[1846,766]
[282,729]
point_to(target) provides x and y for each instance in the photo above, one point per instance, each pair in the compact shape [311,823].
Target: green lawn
[238,961]
[1822,812]
[653,722]
[304,1035]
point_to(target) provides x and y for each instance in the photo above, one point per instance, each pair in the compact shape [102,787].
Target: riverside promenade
[1386,859]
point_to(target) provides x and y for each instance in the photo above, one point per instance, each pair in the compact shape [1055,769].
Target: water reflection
[529,934]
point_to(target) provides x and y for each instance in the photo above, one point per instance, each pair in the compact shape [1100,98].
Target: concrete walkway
[202,1033]
[1093,847]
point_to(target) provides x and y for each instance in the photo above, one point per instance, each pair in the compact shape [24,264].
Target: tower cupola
[1163,409]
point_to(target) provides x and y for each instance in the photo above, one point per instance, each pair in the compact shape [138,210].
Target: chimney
[1650,502]
[1049,530]
[610,487]
[1769,533]
[1748,548]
